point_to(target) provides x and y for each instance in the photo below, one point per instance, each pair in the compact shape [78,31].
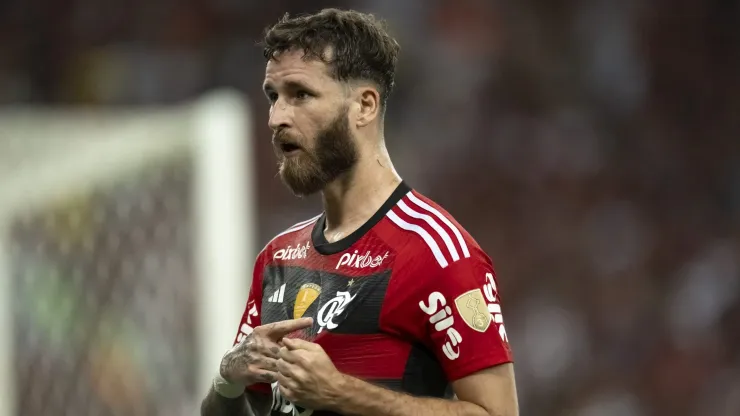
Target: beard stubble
[333,155]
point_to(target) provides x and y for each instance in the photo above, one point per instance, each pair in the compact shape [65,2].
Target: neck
[352,199]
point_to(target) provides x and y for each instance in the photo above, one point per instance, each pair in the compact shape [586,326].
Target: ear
[368,105]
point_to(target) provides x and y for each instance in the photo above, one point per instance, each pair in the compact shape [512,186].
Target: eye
[302,95]
[272,97]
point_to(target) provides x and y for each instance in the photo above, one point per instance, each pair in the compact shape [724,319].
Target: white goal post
[49,153]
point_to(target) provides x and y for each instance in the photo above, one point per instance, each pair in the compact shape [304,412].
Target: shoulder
[428,236]
[289,241]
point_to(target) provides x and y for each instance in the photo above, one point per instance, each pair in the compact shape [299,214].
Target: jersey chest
[337,302]
[343,292]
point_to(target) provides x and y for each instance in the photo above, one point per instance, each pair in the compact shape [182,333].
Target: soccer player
[383,304]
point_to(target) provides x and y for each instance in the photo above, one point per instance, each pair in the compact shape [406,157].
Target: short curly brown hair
[362,48]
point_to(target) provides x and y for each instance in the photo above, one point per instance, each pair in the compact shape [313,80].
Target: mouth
[287,148]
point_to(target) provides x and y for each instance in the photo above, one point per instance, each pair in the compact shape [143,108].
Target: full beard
[333,155]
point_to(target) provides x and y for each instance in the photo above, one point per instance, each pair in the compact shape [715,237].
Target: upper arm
[459,310]
[493,389]
[476,355]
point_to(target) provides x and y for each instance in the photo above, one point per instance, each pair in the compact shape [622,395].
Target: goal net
[126,243]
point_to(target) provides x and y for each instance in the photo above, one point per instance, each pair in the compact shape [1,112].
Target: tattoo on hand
[253,353]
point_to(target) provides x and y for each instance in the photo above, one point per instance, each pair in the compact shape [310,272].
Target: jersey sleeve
[461,317]
[252,316]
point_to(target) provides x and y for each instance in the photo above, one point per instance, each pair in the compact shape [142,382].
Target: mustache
[281,137]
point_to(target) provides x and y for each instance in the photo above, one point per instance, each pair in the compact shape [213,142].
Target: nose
[281,115]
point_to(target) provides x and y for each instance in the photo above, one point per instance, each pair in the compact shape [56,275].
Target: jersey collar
[324,247]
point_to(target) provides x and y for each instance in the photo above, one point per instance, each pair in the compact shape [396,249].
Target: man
[383,305]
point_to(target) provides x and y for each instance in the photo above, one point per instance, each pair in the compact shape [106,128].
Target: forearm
[245,405]
[358,398]
[216,405]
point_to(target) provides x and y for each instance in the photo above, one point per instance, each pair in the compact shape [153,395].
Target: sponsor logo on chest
[291,253]
[361,261]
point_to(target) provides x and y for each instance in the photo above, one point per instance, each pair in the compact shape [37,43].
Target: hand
[254,359]
[306,376]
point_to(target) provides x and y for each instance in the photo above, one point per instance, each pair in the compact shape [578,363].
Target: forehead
[290,66]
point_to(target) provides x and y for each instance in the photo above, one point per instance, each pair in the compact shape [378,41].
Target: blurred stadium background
[592,148]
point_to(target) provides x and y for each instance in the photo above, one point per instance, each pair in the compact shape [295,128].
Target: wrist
[341,390]
[226,388]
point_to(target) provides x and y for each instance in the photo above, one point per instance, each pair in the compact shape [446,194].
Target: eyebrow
[291,85]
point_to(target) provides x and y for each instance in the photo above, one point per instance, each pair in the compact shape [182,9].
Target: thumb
[299,344]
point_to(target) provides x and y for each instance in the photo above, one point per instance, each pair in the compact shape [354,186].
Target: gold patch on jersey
[306,296]
[472,308]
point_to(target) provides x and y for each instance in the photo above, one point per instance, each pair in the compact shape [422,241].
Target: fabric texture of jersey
[409,301]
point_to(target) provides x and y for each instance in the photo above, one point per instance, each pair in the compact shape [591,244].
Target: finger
[273,353]
[269,349]
[289,356]
[269,364]
[287,392]
[287,388]
[285,368]
[285,381]
[265,376]
[293,344]
[277,330]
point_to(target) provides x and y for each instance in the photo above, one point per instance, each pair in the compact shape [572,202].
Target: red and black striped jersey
[409,301]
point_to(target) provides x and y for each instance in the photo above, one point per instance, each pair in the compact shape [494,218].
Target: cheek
[311,131]
[307,125]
